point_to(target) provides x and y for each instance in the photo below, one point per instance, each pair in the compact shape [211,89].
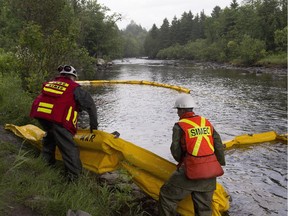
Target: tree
[99,33]
[164,34]
[133,36]
[175,31]
[151,44]
[186,26]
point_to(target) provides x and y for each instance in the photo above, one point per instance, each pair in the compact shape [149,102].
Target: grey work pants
[57,135]
[170,195]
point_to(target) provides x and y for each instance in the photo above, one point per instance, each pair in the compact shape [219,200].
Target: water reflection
[236,102]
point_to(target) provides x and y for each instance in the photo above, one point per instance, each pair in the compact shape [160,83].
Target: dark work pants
[57,135]
[171,195]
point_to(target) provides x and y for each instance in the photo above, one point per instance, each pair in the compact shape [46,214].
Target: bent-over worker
[56,109]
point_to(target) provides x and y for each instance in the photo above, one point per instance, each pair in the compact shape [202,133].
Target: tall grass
[271,60]
[14,102]
[26,180]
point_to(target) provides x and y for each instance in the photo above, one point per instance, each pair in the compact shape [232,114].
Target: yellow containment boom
[247,139]
[140,82]
[100,152]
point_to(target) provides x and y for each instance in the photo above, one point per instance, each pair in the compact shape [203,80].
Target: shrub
[14,102]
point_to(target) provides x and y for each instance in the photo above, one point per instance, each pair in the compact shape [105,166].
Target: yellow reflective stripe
[199,138]
[203,122]
[44,110]
[57,87]
[75,118]
[197,145]
[189,122]
[209,143]
[69,114]
[47,105]
[60,83]
[52,91]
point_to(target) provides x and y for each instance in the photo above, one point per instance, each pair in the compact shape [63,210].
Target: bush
[251,50]
[14,102]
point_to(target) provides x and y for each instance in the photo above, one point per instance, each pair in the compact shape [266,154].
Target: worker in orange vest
[199,151]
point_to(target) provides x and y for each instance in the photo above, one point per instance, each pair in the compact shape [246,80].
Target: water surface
[235,101]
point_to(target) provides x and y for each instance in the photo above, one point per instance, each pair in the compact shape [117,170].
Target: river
[235,101]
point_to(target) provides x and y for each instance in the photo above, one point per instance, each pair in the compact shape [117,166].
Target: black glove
[116,134]
[91,129]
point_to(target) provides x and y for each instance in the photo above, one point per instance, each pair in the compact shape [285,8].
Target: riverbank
[29,187]
[257,69]
[249,69]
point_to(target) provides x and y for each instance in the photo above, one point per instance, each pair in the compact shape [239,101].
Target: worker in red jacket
[199,151]
[56,109]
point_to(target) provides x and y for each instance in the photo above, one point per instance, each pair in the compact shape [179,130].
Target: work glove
[116,134]
[93,128]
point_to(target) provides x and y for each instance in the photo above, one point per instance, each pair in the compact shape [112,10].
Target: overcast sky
[149,12]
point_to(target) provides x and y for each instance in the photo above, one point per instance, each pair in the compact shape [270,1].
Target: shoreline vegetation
[43,191]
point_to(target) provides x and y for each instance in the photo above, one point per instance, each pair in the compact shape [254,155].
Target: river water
[235,101]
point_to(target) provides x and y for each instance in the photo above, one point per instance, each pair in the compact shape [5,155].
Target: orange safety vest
[56,103]
[199,161]
[198,135]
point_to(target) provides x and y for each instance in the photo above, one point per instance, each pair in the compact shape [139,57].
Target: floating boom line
[139,82]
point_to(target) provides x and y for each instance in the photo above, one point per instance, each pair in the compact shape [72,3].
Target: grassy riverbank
[275,60]
[29,187]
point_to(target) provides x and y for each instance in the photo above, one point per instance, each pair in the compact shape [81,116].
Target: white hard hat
[185,101]
[67,69]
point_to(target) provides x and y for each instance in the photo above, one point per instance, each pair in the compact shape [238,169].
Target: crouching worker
[56,109]
[198,149]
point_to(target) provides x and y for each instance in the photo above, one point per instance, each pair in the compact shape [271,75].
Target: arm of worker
[175,147]
[219,148]
[86,103]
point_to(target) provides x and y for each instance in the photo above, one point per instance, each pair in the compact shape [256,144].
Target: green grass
[279,60]
[25,180]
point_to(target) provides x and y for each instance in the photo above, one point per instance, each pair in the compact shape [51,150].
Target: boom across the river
[100,152]
[140,82]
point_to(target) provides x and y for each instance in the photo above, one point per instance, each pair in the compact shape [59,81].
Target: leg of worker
[49,143]
[169,197]
[48,149]
[69,151]
[202,203]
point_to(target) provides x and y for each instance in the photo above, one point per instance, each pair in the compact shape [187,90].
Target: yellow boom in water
[100,152]
[139,82]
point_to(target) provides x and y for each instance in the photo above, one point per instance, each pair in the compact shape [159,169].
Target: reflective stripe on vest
[45,107]
[74,121]
[56,87]
[199,132]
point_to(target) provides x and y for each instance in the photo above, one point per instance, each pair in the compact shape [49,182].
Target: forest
[78,31]
[36,37]
[241,35]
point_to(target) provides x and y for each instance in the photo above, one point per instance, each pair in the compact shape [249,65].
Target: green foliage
[281,39]
[14,102]
[239,34]
[8,63]
[45,35]
[133,40]
[26,180]
[251,50]
[279,59]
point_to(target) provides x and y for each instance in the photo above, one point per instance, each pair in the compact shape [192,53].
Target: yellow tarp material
[141,82]
[100,152]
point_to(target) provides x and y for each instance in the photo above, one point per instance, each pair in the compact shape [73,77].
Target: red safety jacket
[200,161]
[56,103]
